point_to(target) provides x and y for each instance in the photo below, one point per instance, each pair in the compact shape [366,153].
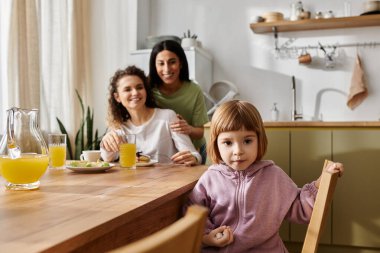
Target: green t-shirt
[189,102]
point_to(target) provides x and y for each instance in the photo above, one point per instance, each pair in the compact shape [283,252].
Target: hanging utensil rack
[285,46]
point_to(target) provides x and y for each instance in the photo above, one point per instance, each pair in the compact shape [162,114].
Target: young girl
[172,89]
[248,198]
[132,109]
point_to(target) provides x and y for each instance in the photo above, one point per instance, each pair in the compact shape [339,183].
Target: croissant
[142,158]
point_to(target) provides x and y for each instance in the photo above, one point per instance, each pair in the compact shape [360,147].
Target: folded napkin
[358,90]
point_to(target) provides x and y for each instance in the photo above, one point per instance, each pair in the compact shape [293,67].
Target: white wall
[247,60]
[112,29]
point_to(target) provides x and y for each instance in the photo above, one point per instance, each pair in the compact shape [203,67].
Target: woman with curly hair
[132,109]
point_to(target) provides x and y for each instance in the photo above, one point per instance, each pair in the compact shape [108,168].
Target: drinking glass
[329,61]
[127,151]
[57,151]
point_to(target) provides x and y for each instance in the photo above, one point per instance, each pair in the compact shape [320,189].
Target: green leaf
[86,129]
[79,137]
[96,140]
[89,128]
[80,101]
[79,142]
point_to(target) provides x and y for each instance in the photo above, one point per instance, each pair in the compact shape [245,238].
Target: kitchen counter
[318,124]
[322,124]
[73,212]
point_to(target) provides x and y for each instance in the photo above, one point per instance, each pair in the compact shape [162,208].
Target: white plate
[150,163]
[89,169]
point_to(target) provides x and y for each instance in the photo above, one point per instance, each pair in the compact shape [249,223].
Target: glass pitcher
[23,151]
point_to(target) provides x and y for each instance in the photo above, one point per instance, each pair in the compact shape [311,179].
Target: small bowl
[372,5]
[273,16]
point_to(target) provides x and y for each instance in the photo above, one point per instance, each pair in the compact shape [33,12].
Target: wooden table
[93,212]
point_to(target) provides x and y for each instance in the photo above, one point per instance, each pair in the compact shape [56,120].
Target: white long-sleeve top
[155,138]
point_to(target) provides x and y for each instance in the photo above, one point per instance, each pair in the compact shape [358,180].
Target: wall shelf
[316,24]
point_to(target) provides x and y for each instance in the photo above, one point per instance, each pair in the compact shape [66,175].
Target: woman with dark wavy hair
[172,88]
[132,109]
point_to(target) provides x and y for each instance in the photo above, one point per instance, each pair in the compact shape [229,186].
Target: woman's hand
[181,126]
[111,141]
[219,237]
[184,157]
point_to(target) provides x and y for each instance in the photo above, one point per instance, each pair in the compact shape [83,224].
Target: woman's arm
[111,140]
[197,133]
[181,126]
[109,146]
[199,117]
[185,157]
[187,153]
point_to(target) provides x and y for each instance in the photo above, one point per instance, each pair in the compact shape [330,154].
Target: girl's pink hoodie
[253,202]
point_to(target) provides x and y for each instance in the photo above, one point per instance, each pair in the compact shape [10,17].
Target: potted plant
[188,39]
[85,138]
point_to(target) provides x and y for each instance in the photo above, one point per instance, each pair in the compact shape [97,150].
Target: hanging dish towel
[358,89]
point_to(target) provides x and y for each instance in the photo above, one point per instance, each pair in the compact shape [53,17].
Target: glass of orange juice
[127,151]
[57,151]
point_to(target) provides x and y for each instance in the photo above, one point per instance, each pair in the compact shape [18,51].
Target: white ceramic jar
[188,42]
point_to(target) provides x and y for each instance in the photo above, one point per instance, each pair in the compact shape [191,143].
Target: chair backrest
[185,236]
[321,205]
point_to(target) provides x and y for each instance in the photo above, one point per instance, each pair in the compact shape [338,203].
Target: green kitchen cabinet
[356,212]
[206,135]
[353,224]
[301,154]
[279,151]
[309,149]
[279,148]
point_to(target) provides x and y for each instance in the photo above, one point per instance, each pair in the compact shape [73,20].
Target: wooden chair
[322,203]
[185,236]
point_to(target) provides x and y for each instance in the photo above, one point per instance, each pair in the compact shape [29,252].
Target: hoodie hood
[248,172]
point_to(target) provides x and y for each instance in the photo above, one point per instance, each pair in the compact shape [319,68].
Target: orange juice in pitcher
[24,155]
[26,169]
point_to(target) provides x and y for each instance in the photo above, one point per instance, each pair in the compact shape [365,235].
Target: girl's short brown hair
[233,116]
